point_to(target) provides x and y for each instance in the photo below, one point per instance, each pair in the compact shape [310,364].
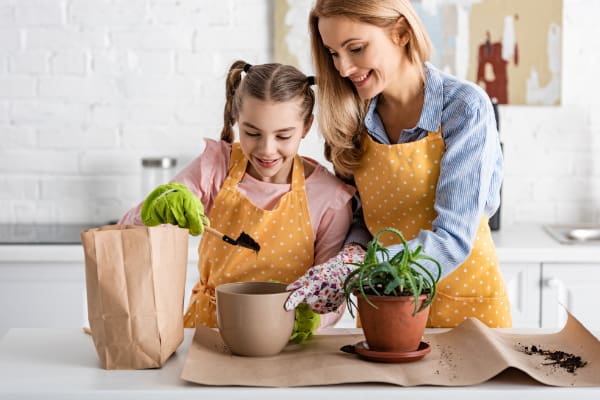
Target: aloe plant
[400,275]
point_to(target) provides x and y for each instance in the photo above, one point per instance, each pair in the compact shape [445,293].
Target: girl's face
[270,134]
[363,53]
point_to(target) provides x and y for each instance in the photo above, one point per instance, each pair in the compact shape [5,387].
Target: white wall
[88,87]
[552,153]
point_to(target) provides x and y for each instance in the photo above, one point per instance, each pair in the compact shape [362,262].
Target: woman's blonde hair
[341,111]
[268,82]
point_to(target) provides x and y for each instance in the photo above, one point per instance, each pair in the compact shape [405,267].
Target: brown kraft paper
[469,354]
[135,280]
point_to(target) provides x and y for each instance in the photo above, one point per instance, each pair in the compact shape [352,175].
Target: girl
[293,207]
[422,148]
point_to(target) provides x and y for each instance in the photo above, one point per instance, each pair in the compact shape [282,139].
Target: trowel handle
[214,232]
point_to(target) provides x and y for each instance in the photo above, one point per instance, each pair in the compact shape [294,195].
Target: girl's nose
[267,145]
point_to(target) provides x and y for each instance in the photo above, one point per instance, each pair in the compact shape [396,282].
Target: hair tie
[247,68]
[311,80]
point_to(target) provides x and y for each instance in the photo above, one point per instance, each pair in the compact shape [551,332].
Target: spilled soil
[556,358]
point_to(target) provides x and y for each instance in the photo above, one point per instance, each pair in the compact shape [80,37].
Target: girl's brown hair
[341,111]
[267,82]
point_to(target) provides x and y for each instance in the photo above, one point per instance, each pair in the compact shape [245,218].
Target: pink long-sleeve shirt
[329,199]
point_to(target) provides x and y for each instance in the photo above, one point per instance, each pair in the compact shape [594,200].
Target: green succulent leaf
[398,275]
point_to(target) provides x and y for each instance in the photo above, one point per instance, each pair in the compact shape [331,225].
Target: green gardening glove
[174,203]
[306,323]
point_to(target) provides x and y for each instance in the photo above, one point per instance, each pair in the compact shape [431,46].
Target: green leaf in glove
[306,323]
[174,203]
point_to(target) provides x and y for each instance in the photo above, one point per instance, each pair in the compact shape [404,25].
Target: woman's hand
[322,286]
[174,203]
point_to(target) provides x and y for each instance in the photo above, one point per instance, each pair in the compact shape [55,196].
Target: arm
[359,233]
[331,232]
[320,286]
[469,182]
[330,235]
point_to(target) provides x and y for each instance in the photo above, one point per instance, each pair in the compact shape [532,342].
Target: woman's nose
[345,67]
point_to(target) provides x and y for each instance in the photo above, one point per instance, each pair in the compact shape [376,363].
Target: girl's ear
[308,125]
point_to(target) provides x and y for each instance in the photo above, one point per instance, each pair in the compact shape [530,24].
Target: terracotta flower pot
[391,327]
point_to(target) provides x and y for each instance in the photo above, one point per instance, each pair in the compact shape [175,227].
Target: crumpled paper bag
[135,280]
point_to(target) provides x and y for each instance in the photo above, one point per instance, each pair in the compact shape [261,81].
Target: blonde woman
[422,148]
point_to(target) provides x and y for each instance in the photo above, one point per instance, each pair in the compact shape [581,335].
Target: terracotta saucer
[363,351]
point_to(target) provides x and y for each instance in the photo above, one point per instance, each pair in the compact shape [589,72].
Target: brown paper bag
[135,278]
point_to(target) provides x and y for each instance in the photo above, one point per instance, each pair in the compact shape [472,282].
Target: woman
[422,148]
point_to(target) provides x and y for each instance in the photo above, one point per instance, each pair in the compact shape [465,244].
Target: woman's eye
[283,137]
[356,49]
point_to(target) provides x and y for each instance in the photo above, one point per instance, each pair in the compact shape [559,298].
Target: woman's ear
[400,35]
[308,125]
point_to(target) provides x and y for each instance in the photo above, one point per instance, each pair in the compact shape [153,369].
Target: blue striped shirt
[471,169]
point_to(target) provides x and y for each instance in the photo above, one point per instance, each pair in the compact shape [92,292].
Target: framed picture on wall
[511,48]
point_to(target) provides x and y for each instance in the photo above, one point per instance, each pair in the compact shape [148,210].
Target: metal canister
[156,171]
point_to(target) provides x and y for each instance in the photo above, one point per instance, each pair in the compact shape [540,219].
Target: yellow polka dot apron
[285,236]
[397,185]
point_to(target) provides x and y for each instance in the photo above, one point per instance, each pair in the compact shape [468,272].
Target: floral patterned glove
[322,286]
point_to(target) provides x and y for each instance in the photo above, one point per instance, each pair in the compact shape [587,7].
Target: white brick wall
[88,87]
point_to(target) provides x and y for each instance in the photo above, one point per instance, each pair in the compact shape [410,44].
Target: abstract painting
[511,48]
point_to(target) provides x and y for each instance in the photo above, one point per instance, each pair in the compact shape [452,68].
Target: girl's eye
[283,137]
[252,134]
[356,49]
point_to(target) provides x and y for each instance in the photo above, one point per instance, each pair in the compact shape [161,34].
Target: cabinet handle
[561,289]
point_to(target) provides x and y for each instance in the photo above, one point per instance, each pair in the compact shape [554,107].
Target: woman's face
[270,134]
[363,53]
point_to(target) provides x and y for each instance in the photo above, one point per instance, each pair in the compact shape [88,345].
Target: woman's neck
[406,88]
[400,106]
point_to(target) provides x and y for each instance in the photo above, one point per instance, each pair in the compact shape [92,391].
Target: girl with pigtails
[294,207]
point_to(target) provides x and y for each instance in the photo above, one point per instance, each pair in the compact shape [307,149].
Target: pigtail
[234,77]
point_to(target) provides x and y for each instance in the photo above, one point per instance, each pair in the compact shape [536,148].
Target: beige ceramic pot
[252,319]
[391,327]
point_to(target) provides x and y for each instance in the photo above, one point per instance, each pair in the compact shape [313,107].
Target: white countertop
[520,243]
[62,364]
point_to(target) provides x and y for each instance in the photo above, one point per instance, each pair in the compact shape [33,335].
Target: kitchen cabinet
[523,284]
[43,286]
[545,277]
[42,295]
[571,286]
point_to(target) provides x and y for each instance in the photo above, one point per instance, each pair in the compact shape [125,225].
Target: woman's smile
[360,80]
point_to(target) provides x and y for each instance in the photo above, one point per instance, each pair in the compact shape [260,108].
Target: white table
[62,364]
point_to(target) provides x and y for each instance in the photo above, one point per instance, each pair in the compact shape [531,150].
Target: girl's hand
[174,203]
[322,286]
